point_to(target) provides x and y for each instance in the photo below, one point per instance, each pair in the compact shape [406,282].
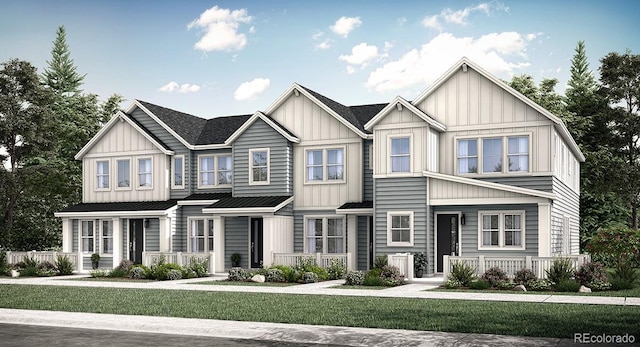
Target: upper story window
[225,170]
[215,170]
[501,230]
[492,155]
[177,172]
[145,173]
[325,165]
[400,154]
[103,174]
[400,228]
[259,166]
[488,155]
[468,156]
[123,175]
[518,153]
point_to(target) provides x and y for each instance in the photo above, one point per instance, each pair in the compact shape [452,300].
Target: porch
[180,258]
[52,257]
[511,265]
[321,259]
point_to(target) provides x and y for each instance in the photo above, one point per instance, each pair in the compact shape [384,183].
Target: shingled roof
[218,129]
[187,126]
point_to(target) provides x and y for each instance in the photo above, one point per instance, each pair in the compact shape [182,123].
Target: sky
[213,58]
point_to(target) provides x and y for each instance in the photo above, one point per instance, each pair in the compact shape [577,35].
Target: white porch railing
[404,262]
[320,259]
[511,265]
[14,257]
[180,258]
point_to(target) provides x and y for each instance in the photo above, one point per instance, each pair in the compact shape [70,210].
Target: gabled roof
[466,63]
[401,102]
[270,121]
[217,130]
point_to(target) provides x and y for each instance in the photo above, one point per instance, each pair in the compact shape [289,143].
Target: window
[200,235]
[107,237]
[400,228]
[144,173]
[215,170]
[207,171]
[492,155]
[259,166]
[177,172]
[325,165]
[225,170]
[103,174]
[518,153]
[401,154]
[123,166]
[467,156]
[501,230]
[325,235]
[87,236]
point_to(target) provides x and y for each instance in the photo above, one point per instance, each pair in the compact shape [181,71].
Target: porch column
[544,229]
[352,240]
[117,241]
[67,235]
[165,234]
[218,242]
[267,240]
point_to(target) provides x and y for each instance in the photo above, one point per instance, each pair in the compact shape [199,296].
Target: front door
[136,240]
[446,238]
[370,251]
[256,243]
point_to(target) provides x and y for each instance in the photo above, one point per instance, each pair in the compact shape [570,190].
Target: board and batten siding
[400,194]
[541,183]
[367,170]
[565,208]
[195,175]
[262,136]
[420,149]
[440,189]
[236,240]
[566,166]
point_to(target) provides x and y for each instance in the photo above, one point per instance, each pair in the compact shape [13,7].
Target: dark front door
[256,242]
[136,241]
[447,237]
[370,252]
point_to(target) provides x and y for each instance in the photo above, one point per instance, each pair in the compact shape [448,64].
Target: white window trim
[81,237]
[325,231]
[173,172]
[411,154]
[215,170]
[102,237]
[207,221]
[505,156]
[138,187]
[325,166]
[501,246]
[97,187]
[457,154]
[390,215]
[258,183]
[371,156]
[117,172]
[505,142]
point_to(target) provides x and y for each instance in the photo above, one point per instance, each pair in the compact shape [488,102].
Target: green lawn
[530,319]
[344,286]
[240,283]
[111,279]
[635,293]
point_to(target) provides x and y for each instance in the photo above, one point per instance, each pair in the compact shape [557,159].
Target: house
[470,167]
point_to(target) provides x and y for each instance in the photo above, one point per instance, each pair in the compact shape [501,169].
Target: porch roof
[363,207]
[248,204]
[127,208]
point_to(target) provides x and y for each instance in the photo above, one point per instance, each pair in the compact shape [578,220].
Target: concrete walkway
[294,333]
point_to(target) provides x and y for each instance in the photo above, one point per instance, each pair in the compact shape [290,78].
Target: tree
[61,75]
[25,128]
[544,95]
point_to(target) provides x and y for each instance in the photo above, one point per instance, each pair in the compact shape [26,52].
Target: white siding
[419,148]
[439,189]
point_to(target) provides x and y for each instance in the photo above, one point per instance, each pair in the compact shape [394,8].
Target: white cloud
[432,22]
[424,65]
[402,21]
[175,87]
[350,70]
[461,17]
[317,35]
[326,44]
[252,89]
[345,25]
[360,54]
[532,36]
[220,29]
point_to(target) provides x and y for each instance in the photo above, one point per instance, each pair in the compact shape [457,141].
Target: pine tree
[61,75]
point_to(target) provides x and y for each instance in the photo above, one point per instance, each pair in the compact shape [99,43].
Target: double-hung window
[315,170]
[145,173]
[87,236]
[201,235]
[177,172]
[123,168]
[492,155]
[400,154]
[259,166]
[207,172]
[400,228]
[103,174]
[107,236]
[325,165]
[215,170]
[467,156]
[225,170]
[518,153]
[501,230]
[324,235]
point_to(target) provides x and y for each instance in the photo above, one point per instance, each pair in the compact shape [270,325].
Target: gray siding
[74,227]
[367,173]
[542,183]
[362,242]
[567,204]
[261,135]
[236,240]
[401,194]
[152,236]
[285,211]
[193,168]
[180,236]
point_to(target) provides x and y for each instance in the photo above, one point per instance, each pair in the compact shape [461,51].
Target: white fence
[180,258]
[320,259]
[511,265]
[404,262]
[14,257]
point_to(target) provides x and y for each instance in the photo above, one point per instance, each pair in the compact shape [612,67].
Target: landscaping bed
[245,283]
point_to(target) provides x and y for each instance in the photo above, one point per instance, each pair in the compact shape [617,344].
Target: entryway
[257,238]
[447,229]
[136,240]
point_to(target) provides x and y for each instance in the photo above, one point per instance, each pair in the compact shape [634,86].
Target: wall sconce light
[462,219]
[399,107]
[146,223]
[464,67]
[296,92]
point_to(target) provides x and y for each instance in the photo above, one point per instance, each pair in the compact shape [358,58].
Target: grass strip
[627,293]
[249,284]
[508,318]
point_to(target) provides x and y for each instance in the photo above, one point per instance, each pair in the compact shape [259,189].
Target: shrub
[624,275]
[391,275]
[305,263]
[198,267]
[494,275]
[309,277]
[336,269]
[504,285]
[235,259]
[238,274]
[64,265]
[452,283]
[98,273]
[138,272]
[561,270]
[174,274]
[159,272]
[290,274]
[539,285]
[372,278]
[420,261]
[125,266]
[525,277]
[354,278]
[29,262]
[479,285]
[46,269]
[275,275]
[4,267]
[617,245]
[118,272]
[620,284]
[598,286]
[462,273]
[380,261]
[569,285]
[591,272]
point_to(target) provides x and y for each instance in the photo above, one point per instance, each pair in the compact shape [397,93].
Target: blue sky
[212,58]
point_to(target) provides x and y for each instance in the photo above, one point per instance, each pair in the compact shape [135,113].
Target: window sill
[144,188]
[325,182]
[399,244]
[501,248]
[260,183]
[102,190]
[123,188]
[177,187]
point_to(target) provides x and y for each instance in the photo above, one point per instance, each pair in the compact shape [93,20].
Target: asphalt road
[34,335]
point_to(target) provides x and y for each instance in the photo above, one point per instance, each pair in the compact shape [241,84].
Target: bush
[380,261]
[118,272]
[591,272]
[452,283]
[391,276]
[98,273]
[238,274]
[561,270]
[160,272]
[625,275]
[309,277]
[372,278]
[462,273]
[290,274]
[479,285]
[4,267]
[420,261]
[567,286]
[46,269]
[494,275]
[621,284]
[617,245]
[354,278]
[199,268]
[525,277]
[598,286]
[125,266]
[504,285]
[138,272]
[275,275]
[539,285]
[174,274]
[336,269]
[64,265]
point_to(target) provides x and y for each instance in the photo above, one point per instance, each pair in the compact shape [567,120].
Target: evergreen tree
[61,75]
